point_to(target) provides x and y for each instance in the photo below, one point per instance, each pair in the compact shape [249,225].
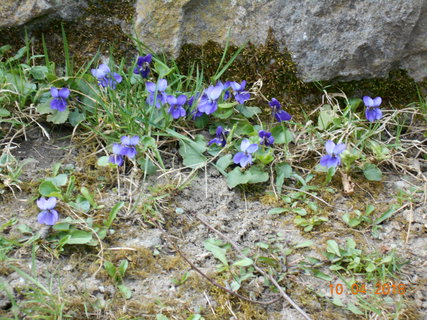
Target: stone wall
[328,39]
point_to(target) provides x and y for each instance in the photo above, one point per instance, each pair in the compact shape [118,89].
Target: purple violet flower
[266,138]
[59,101]
[116,158]
[48,215]
[279,114]
[161,97]
[245,156]
[176,106]
[221,137]
[208,104]
[240,95]
[143,66]
[373,112]
[127,148]
[105,77]
[332,159]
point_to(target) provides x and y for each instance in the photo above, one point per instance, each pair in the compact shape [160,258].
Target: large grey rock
[349,39]
[18,12]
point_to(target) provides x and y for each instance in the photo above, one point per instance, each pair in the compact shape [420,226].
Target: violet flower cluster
[59,101]
[373,112]
[157,95]
[127,148]
[221,137]
[105,77]
[333,158]
[177,106]
[266,138]
[48,215]
[278,112]
[143,66]
[245,156]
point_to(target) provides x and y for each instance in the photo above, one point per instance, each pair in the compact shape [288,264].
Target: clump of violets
[48,215]
[143,66]
[373,112]
[221,137]
[59,101]
[278,112]
[266,138]
[245,156]
[161,96]
[127,148]
[177,106]
[105,77]
[208,103]
[333,158]
[239,91]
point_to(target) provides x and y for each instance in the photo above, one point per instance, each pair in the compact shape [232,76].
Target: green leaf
[125,291]
[4,112]
[83,206]
[265,156]
[354,309]
[61,226]
[161,317]
[224,161]
[79,237]
[85,192]
[283,171]
[39,72]
[333,247]
[326,117]
[304,244]
[370,267]
[123,267]
[245,262]
[58,117]
[277,210]
[372,172]
[192,155]
[386,214]
[110,268]
[113,213]
[162,69]
[47,188]
[18,55]
[103,161]
[248,112]
[226,105]
[76,117]
[59,181]
[254,174]
[223,114]
[282,135]
[218,252]
[319,274]
[44,108]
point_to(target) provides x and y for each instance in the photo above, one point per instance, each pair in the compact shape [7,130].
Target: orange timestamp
[361,288]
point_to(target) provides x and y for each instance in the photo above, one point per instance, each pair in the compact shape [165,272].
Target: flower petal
[219,131]
[329,146]
[377,101]
[162,85]
[50,203]
[117,148]
[368,101]
[54,92]
[64,93]
[237,157]
[41,203]
[340,147]
[245,145]
[150,86]
[181,99]
[116,159]
[48,217]
[245,160]
[252,148]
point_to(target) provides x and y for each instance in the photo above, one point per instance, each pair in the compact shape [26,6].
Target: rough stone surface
[327,38]
[18,12]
